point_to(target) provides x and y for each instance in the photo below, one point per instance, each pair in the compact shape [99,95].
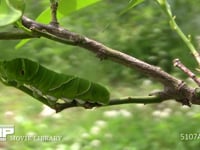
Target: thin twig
[166,7]
[177,63]
[126,100]
[54,7]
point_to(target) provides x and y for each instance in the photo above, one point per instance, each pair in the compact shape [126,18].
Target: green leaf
[10,11]
[65,7]
[45,16]
[132,3]
[17,4]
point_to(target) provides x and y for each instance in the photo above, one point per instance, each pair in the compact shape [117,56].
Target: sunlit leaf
[10,11]
[45,16]
[67,7]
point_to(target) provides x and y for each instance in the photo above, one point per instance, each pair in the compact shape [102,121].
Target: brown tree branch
[173,87]
[102,51]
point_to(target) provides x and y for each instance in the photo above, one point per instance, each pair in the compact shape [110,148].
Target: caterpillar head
[19,69]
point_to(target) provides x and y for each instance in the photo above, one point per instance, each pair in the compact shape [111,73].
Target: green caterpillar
[50,84]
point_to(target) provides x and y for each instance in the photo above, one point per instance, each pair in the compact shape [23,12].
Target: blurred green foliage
[142,32]
[126,127]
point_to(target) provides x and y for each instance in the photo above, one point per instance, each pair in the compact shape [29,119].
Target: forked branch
[173,88]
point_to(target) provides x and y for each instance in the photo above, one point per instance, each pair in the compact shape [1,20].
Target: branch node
[180,85]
